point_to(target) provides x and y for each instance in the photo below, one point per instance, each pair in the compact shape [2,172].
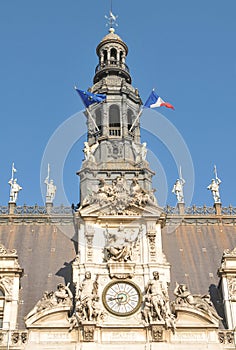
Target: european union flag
[89,98]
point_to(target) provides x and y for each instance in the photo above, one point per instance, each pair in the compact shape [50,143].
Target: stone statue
[15,189]
[140,151]
[139,195]
[156,298]
[62,296]
[51,188]
[147,311]
[89,151]
[105,192]
[85,305]
[201,302]
[119,246]
[144,151]
[178,188]
[214,187]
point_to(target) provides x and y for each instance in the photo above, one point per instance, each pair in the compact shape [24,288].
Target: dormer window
[114,121]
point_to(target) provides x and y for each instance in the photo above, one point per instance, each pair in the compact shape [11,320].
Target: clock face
[122,298]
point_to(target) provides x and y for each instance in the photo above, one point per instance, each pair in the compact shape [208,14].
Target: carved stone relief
[157,333]
[62,296]
[6,283]
[120,197]
[226,337]
[18,338]
[115,149]
[198,302]
[232,287]
[120,244]
[88,333]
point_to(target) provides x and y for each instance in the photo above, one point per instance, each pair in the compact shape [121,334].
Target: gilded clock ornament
[122,298]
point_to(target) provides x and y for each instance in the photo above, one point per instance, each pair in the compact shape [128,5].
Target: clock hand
[117,298]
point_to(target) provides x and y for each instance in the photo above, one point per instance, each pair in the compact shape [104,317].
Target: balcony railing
[114,131]
[112,64]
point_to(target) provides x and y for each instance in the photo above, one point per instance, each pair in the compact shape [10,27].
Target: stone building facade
[117,271]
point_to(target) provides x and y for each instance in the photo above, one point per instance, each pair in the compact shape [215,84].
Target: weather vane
[111,19]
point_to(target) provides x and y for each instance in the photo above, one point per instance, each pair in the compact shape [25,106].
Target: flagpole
[90,115]
[138,116]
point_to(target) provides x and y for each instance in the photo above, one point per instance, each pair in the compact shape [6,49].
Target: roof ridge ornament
[111,20]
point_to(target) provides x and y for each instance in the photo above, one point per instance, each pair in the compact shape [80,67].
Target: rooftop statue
[15,187]
[51,188]
[178,188]
[214,187]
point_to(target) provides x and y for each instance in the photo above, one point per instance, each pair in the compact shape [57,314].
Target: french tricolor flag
[154,101]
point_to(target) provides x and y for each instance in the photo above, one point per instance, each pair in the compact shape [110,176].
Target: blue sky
[186,50]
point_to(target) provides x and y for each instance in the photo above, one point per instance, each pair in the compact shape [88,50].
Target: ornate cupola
[112,52]
[113,146]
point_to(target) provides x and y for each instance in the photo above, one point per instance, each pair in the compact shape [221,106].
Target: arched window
[113,56]
[114,121]
[99,119]
[105,56]
[129,118]
[2,303]
[121,56]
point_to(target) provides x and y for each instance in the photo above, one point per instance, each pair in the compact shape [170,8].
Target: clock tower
[120,274]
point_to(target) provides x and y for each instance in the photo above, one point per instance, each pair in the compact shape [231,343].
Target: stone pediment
[56,317]
[98,210]
[188,317]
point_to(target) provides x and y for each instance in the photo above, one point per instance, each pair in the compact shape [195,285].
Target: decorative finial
[15,187]
[214,187]
[51,188]
[111,20]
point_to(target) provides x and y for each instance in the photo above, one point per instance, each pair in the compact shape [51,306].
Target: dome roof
[112,37]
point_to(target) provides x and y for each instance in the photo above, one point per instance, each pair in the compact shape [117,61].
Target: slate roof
[45,253]
[46,249]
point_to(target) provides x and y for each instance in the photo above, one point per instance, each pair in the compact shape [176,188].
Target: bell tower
[120,261]
[113,145]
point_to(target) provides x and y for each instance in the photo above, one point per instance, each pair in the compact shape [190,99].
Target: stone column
[11,207]
[48,205]
[217,207]
[181,208]
[227,273]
